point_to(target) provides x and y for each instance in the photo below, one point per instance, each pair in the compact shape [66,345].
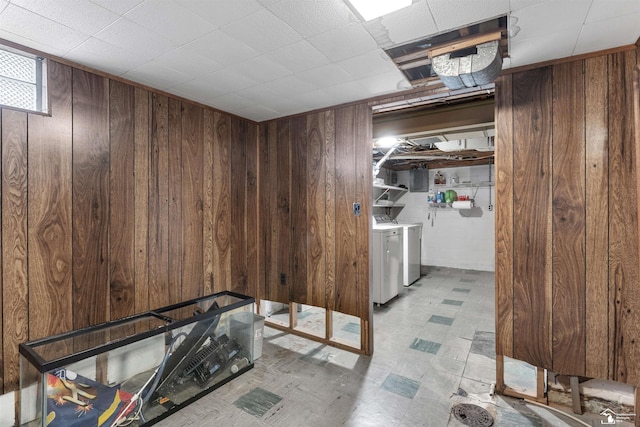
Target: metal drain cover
[472,415]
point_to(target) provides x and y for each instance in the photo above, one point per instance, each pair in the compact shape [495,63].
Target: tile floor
[434,347]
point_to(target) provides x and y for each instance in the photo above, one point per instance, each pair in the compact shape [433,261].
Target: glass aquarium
[138,370]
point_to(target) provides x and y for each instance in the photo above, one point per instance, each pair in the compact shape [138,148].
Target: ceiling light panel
[371,9]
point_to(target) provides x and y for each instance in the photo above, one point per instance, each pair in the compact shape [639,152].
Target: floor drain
[472,415]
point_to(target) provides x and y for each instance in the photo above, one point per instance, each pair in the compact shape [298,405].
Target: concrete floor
[434,348]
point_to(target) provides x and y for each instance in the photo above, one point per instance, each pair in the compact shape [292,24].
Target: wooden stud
[329,324]
[499,373]
[575,395]
[464,43]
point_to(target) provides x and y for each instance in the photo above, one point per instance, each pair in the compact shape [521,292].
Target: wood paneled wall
[313,170]
[121,201]
[567,290]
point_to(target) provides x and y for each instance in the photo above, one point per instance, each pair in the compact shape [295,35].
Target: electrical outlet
[356,209]
[490,207]
[283,279]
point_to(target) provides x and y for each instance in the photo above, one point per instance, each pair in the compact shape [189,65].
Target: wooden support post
[329,324]
[293,315]
[540,386]
[499,373]
[575,395]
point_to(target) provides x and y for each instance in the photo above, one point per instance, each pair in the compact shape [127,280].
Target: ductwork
[477,69]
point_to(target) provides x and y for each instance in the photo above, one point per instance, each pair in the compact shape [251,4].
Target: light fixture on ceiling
[386,142]
[371,9]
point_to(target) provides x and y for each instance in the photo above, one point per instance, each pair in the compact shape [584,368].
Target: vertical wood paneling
[207,208]
[596,211]
[271,233]
[346,291]
[192,200]
[569,336]
[221,200]
[265,187]
[532,207]
[363,175]
[141,206]
[330,208]
[316,212]
[282,220]
[623,221]
[299,230]
[238,238]
[504,216]
[14,278]
[158,204]
[252,213]
[90,198]
[49,209]
[122,200]
[175,201]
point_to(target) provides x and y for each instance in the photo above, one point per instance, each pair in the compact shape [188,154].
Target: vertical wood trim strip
[14,280]
[330,206]
[504,216]
[158,204]
[141,206]
[532,208]
[221,197]
[252,211]
[192,201]
[568,181]
[49,209]
[207,208]
[175,185]
[122,199]
[299,229]
[265,187]
[238,240]
[90,189]
[272,284]
[597,208]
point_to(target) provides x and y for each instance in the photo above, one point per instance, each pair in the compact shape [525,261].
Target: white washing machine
[387,262]
[412,234]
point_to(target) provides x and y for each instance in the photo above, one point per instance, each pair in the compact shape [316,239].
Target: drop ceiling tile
[344,42]
[257,113]
[170,20]
[227,81]
[156,75]
[602,10]
[230,102]
[39,29]
[262,31]
[195,90]
[404,25]
[311,17]
[384,83]
[516,5]
[450,14]
[620,31]
[221,12]
[85,17]
[345,92]
[134,38]
[41,47]
[326,75]
[541,48]
[298,56]
[551,18]
[290,85]
[221,48]
[275,100]
[367,65]
[189,63]
[104,56]
[120,6]
[260,69]
[316,99]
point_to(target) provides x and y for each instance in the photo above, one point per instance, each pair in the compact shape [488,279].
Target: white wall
[449,237]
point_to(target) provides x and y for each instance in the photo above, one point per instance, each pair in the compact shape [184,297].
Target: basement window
[23,78]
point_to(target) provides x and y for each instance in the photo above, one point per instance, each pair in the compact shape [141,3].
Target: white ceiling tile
[132,37]
[602,10]
[221,12]
[196,90]
[85,17]
[515,5]
[620,31]
[298,56]
[104,56]
[367,65]
[551,17]
[541,48]
[383,83]
[189,63]
[404,25]
[230,102]
[348,91]
[311,17]
[257,112]
[31,26]
[326,75]
[260,69]
[156,75]
[290,85]
[170,20]
[272,98]
[118,6]
[344,42]
[222,48]
[31,44]
[450,14]
[316,99]
[227,81]
[262,31]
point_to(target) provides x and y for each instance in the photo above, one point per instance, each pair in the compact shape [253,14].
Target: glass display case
[138,370]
